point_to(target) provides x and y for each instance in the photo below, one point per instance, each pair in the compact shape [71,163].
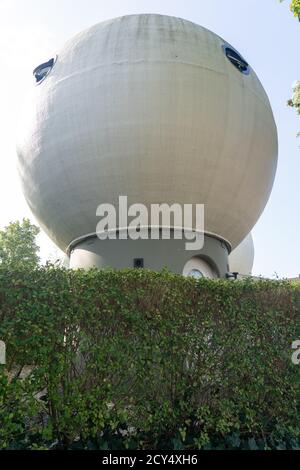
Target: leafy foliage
[137,359]
[295,100]
[295,8]
[18,248]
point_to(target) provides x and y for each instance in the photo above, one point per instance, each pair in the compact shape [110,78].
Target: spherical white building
[158,109]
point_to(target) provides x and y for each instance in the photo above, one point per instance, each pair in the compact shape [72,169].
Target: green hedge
[138,359]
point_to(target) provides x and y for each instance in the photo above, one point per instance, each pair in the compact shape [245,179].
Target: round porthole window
[41,72]
[195,273]
[237,60]
[198,268]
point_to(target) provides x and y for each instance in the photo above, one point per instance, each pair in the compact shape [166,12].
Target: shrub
[138,359]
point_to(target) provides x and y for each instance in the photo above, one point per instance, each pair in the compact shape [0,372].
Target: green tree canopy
[294,102]
[18,247]
[295,8]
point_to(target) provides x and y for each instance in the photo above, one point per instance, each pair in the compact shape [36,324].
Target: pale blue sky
[264,31]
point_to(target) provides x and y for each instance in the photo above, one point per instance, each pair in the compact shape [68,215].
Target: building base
[211,261]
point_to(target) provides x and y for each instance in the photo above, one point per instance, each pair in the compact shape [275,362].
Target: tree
[294,102]
[18,247]
[295,8]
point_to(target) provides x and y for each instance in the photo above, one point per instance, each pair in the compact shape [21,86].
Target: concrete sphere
[150,107]
[242,257]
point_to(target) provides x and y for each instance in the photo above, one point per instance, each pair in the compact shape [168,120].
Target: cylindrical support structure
[210,261]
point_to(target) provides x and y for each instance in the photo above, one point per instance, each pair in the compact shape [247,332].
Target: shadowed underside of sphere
[242,257]
[150,107]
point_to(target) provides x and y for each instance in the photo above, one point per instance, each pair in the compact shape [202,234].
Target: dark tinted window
[42,70]
[237,60]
